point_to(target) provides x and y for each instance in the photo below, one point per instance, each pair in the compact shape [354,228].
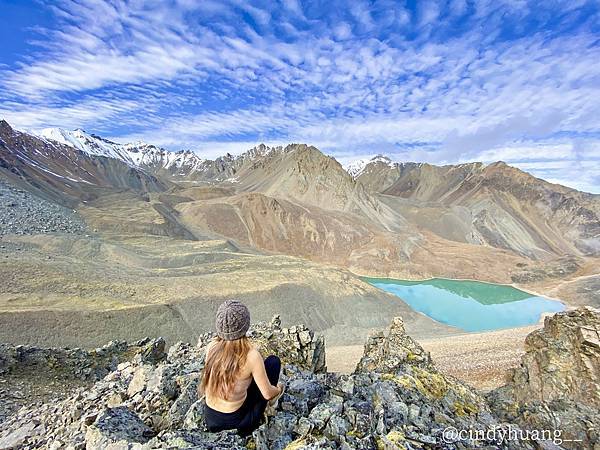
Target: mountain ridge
[491,205]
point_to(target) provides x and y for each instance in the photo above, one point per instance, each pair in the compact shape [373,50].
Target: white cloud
[358,81]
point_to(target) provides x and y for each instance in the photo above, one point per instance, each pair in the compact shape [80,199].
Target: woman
[236,382]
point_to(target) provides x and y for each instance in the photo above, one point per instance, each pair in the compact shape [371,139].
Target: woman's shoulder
[253,354]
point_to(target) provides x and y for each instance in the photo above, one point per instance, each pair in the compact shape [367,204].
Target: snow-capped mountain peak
[87,143]
[356,168]
[135,154]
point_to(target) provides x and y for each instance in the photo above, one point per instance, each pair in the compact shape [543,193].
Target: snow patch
[136,154]
[356,168]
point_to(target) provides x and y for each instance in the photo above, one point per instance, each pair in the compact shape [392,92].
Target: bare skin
[253,368]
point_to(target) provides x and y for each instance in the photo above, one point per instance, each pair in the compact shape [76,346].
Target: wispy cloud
[443,81]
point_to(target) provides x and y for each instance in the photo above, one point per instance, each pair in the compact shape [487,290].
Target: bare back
[253,368]
[236,397]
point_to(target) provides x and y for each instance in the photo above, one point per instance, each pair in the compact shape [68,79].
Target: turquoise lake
[470,305]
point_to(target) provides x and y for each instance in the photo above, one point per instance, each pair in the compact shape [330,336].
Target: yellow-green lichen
[434,384]
[430,384]
[296,445]
[392,441]
[396,436]
[356,433]
[464,409]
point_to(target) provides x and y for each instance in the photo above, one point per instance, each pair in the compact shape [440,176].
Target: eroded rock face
[562,360]
[557,384]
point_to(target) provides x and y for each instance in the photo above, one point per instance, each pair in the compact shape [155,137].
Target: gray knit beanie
[233,320]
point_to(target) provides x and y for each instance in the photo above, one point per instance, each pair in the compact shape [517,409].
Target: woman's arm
[257,366]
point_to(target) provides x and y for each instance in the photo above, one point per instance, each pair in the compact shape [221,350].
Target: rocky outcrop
[295,345]
[153,393]
[91,365]
[389,353]
[395,399]
[31,375]
[557,385]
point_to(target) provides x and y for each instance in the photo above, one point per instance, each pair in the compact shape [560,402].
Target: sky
[442,82]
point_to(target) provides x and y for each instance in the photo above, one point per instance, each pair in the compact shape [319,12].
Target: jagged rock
[16,438]
[557,385]
[562,360]
[194,417]
[198,440]
[116,426]
[181,405]
[138,382]
[151,351]
[387,353]
[395,399]
[296,345]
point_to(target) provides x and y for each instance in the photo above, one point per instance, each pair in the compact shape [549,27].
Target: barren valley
[286,230]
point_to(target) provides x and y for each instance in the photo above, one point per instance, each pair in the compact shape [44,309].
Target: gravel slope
[24,213]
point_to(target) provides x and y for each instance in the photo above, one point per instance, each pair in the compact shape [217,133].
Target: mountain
[64,173]
[176,165]
[496,205]
[183,165]
[296,200]
[301,173]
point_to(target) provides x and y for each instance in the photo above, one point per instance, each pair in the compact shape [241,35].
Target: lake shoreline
[470,306]
[513,285]
[480,358]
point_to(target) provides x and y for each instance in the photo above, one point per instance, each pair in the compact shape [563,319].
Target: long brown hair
[223,364]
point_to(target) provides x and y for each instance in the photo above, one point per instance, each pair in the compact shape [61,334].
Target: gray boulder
[116,426]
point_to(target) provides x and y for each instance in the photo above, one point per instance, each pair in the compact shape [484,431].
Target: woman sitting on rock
[236,382]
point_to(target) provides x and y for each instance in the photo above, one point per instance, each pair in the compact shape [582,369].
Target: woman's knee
[273,360]
[273,365]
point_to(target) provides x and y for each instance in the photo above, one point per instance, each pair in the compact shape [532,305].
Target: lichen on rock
[557,384]
[396,399]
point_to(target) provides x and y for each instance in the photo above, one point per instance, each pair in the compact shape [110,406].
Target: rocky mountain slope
[24,213]
[281,226]
[487,205]
[64,174]
[304,174]
[395,399]
[494,204]
[176,165]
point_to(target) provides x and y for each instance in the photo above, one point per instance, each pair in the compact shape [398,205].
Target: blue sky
[441,82]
